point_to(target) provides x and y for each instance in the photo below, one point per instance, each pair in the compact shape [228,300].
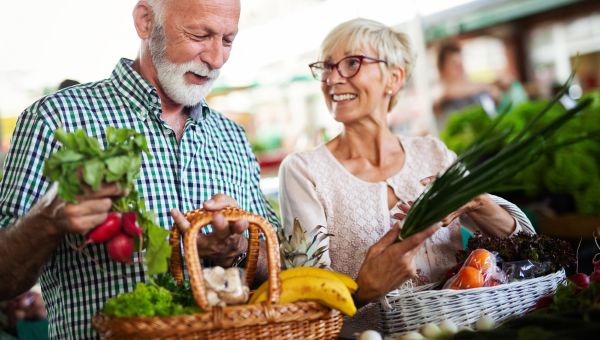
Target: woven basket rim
[407,310]
[505,286]
[226,310]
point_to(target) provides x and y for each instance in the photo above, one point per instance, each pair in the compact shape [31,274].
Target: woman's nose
[334,77]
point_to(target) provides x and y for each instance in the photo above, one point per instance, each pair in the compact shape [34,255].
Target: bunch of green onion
[469,177]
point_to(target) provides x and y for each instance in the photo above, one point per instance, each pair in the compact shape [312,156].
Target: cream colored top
[318,190]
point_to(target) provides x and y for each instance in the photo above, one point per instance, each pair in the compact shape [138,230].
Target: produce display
[470,176]
[225,287]
[572,170]
[81,162]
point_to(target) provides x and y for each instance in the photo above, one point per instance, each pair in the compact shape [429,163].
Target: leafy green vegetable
[468,176]
[147,300]
[181,294]
[81,161]
[523,246]
[82,156]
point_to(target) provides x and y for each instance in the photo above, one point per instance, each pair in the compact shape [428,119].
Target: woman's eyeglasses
[348,67]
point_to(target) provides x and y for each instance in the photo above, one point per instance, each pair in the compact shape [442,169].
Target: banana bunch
[329,288]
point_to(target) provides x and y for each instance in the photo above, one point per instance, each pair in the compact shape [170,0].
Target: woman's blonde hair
[389,44]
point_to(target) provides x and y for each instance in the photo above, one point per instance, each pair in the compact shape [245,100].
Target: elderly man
[199,159]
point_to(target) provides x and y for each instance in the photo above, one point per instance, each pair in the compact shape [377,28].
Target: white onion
[485,323]
[431,330]
[370,335]
[411,336]
[448,327]
[464,328]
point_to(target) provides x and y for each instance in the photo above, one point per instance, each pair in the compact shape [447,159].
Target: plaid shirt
[213,157]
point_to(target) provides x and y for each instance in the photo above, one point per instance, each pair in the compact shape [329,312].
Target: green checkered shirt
[213,157]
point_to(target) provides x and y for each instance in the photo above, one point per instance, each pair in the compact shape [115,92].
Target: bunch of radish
[118,231]
[82,163]
[580,280]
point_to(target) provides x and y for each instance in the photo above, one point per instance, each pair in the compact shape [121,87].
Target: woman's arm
[496,216]
[298,198]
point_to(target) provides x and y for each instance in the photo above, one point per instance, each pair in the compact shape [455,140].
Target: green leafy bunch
[524,246]
[182,294]
[469,176]
[146,300]
[81,160]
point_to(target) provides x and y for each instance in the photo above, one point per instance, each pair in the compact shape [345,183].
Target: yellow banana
[313,271]
[329,292]
[320,272]
[347,281]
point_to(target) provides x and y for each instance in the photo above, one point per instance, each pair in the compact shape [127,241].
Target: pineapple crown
[300,249]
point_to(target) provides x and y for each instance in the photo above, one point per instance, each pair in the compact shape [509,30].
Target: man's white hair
[158,7]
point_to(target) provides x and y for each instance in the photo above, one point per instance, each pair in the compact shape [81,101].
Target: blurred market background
[266,85]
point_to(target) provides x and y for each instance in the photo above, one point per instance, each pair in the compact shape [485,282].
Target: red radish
[130,226]
[595,276]
[581,280]
[596,264]
[544,302]
[104,231]
[120,248]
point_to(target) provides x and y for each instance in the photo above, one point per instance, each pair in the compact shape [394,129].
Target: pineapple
[300,249]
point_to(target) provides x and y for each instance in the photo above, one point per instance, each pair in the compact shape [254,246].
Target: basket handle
[199,218]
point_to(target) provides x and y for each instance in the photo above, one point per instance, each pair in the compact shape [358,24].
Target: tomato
[481,259]
[467,277]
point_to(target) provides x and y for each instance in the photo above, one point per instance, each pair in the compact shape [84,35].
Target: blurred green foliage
[573,169]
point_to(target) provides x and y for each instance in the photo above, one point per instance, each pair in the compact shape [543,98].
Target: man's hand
[226,241]
[388,264]
[90,210]
[27,306]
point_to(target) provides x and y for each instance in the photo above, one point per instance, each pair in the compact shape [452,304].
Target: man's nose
[214,55]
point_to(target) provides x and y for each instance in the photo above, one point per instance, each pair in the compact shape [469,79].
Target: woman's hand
[491,218]
[388,264]
[471,206]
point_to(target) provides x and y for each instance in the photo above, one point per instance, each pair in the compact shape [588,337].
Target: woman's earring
[389,92]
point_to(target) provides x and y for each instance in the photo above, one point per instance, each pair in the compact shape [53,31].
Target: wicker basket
[269,320]
[405,310]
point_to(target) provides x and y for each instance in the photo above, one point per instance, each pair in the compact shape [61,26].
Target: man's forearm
[26,247]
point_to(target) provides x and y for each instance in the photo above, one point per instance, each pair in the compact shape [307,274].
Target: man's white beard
[171,76]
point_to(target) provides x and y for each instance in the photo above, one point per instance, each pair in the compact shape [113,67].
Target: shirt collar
[143,96]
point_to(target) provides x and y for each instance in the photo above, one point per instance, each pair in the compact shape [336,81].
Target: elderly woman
[356,185]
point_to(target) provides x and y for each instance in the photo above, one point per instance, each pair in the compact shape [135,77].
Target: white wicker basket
[405,310]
